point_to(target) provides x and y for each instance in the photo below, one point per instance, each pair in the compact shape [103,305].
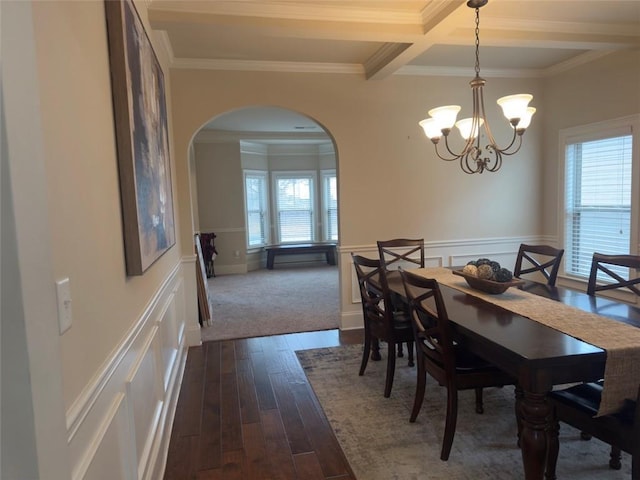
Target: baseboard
[235,269]
[351,320]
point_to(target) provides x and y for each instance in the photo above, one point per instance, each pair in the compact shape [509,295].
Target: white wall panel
[169,340]
[119,427]
[109,457]
[142,387]
[458,252]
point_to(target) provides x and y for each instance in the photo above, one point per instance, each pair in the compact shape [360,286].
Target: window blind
[597,201]
[256,206]
[295,209]
[330,194]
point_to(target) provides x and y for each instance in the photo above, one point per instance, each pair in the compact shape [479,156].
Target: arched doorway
[259,147]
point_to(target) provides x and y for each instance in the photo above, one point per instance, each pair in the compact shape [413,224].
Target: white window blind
[256,208]
[598,176]
[330,202]
[295,205]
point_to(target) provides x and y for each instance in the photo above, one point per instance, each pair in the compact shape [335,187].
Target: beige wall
[390,182]
[385,165]
[112,379]
[82,188]
[606,89]
[220,203]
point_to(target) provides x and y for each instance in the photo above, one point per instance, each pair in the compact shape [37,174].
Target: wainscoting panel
[506,259]
[169,340]
[144,395]
[107,453]
[456,252]
[119,427]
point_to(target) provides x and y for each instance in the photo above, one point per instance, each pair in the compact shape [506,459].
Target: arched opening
[262,176]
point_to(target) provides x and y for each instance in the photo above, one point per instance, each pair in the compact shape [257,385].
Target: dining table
[540,354]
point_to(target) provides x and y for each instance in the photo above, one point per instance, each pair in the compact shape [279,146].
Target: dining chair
[543,259]
[437,354]
[578,407]
[401,253]
[607,264]
[381,322]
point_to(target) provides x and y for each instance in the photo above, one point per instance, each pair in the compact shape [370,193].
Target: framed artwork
[140,117]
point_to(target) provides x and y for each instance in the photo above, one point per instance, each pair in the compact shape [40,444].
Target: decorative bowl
[487,286]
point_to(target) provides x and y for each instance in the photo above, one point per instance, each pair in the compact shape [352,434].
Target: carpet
[272,302]
[380,443]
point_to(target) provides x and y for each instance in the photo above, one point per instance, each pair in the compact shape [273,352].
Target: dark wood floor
[246,411]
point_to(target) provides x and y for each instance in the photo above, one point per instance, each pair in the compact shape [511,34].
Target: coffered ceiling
[384,37]
[379,38]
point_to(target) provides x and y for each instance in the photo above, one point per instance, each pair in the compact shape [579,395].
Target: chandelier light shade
[475,158]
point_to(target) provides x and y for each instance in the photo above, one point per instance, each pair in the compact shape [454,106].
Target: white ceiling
[378,38]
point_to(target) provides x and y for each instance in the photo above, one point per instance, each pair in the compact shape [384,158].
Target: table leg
[270,255]
[553,448]
[535,421]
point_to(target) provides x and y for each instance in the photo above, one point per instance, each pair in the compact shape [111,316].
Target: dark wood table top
[616,310]
[482,325]
[537,355]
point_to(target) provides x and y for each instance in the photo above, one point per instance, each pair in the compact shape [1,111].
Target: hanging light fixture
[474,158]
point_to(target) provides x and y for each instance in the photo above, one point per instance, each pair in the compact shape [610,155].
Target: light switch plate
[63,291]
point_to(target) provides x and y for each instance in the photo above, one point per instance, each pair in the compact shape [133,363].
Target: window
[599,214]
[330,205]
[295,205]
[255,186]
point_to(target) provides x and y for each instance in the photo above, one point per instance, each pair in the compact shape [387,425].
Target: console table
[329,250]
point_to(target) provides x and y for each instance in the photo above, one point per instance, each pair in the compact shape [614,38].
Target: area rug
[380,443]
[287,299]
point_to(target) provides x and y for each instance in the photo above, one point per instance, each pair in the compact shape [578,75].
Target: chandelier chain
[477,42]
[475,158]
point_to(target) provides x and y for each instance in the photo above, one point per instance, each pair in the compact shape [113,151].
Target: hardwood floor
[246,411]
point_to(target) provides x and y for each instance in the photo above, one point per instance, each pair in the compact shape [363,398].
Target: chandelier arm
[471,156]
[487,127]
[466,162]
[454,156]
[497,162]
[516,136]
[446,159]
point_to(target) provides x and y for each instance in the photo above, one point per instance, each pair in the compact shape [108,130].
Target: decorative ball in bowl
[487,276]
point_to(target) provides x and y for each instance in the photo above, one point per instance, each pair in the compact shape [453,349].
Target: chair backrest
[401,253]
[605,263]
[540,258]
[374,294]
[430,322]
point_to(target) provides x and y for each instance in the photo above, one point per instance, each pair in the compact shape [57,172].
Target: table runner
[619,340]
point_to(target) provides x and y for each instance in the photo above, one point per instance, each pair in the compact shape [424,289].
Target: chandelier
[474,158]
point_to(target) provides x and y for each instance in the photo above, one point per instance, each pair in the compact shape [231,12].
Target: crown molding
[576,61]
[546,26]
[165,43]
[285,10]
[264,66]
[466,72]
[223,136]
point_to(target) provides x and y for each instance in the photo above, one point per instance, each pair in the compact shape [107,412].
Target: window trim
[264,174]
[324,205]
[294,174]
[592,132]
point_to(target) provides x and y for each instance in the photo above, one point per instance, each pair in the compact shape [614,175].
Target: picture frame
[142,139]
